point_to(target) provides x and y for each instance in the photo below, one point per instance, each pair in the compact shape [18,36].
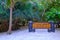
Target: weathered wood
[43,25]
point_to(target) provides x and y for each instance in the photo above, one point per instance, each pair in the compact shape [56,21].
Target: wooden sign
[41,25]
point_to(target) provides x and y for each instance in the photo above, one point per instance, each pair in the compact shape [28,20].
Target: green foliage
[8,3]
[53,11]
[32,9]
[29,10]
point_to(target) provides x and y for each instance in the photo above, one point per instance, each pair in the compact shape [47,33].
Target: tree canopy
[47,10]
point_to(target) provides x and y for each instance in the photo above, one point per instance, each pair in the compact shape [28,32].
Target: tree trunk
[10,20]
[42,16]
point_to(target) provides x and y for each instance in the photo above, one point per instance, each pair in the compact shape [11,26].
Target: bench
[41,25]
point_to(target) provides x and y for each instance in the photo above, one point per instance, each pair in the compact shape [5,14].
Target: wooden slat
[42,25]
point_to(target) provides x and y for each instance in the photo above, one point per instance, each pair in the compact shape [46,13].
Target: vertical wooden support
[52,28]
[31,29]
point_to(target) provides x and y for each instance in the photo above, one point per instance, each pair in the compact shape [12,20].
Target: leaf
[8,3]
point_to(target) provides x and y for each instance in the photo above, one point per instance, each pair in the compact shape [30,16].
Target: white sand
[40,34]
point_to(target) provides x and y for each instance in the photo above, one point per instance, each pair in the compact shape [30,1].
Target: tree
[53,12]
[10,4]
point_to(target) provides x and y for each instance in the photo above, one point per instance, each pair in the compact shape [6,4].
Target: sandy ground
[40,34]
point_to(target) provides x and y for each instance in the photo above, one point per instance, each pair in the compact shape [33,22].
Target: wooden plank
[41,25]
